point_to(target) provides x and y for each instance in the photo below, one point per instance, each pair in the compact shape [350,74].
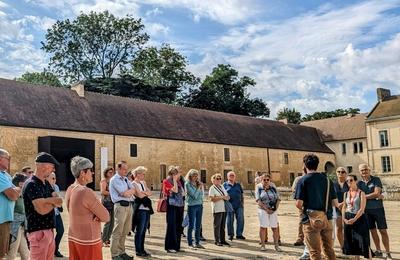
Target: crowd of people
[31,206]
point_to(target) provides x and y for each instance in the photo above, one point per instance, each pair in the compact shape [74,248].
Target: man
[340,188]
[57,211]
[235,192]
[27,171]
[8,195]
[39,208]
[374,210]
[121,192]
[310,196]
[300,234]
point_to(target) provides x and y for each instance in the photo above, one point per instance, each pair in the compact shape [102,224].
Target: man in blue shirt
[235,192]
[8,195]
[372,186]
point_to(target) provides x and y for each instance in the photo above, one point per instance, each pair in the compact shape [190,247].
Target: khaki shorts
[4,238]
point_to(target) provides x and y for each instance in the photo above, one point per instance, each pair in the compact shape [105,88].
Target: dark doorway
[63,149]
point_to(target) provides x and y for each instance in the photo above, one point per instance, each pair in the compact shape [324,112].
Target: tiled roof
[340,128]
[46,107]
[390,106]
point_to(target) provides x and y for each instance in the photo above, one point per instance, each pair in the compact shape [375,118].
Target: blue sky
[310,55]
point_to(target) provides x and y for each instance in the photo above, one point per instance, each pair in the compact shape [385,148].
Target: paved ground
[248,249]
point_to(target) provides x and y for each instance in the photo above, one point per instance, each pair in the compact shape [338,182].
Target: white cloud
[155,29]
[154,12]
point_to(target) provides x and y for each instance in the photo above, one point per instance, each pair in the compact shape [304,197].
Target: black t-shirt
[368,188]
[34,188]
[311,189]
[340,191]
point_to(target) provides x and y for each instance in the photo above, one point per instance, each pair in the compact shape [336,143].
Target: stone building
[346,136]
[107,129]
[383,135]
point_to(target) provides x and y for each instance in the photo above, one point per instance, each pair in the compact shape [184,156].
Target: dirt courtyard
[240,249]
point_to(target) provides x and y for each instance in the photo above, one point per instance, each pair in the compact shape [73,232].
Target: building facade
[108,129]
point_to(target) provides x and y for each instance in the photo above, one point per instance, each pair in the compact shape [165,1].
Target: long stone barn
[107,129]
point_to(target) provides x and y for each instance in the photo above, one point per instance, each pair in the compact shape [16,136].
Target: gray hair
[191,173]
[78,164]
[4,152]
[138,170]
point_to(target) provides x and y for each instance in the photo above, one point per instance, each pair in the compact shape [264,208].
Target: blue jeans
[143,219]
[239,214]
[195,214]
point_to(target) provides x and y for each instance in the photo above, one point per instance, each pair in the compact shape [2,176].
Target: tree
[292,115]
[224,91]
[128,86]
[93,45]
[329,114]
[41,78]
[163,67]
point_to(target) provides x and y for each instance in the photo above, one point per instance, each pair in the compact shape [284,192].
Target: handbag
[162,202]
[318,219]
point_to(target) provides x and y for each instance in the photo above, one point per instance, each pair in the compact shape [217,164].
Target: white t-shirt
[142,187]
[218,206]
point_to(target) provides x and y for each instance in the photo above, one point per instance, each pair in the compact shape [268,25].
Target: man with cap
[8,195]
[39,208]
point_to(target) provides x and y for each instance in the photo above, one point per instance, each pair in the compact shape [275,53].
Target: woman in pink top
[85,214]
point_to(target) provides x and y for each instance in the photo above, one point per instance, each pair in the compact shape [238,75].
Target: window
[355,147]
[226,174]
[360,147]
[227,155]
[349,169]
[386,167]
[286,158]
[383,137]
[163,172]
[343,148]
[250,177]
[203,176]
[133,150]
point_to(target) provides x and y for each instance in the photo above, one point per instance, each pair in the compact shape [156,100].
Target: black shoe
[143,254]
[218,244]
[225,243]
[203,239]
[279,243]
[298,243]
[378,253]
[58,254]
[240,237]
[230,238]
[125,256]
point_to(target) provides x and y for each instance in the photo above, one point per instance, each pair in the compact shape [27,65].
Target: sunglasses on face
[350,180]
[218,179]
[341,172]
[265,180]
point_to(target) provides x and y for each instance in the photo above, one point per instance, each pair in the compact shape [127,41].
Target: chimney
[283,120]
[79,88]
[382,93]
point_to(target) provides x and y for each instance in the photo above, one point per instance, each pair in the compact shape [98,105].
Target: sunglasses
[265,180]
[30,172]
[218,179]
[350,180]
[341,172]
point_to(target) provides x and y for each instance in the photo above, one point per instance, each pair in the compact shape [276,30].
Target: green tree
[41,78]
[163,67]
[223,90]
[329,114]
[292,115]
[93,45]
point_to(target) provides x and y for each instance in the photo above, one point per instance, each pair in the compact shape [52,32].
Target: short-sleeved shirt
[218,206]
[34,189]
[268,197]
[368,188]
[119,185]
[6,205]
[235,192]
[340,190]
[311,189]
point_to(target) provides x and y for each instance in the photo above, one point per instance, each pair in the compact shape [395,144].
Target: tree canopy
[93,45]
[223,90]
[41,78]
[292,115]
[329,114]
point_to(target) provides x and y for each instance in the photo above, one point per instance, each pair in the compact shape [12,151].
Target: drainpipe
[114,151]
[269,166]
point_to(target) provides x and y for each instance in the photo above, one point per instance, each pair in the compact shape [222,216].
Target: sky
[309,55]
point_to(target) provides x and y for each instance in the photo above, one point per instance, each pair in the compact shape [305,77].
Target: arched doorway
[329,168]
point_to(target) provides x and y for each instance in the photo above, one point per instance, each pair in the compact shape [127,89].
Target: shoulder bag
[162,201]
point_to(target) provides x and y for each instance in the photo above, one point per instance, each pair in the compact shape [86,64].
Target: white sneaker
[263,248]
[388,256]
[304,256]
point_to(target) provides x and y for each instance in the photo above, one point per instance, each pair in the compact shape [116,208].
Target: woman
[340,188]
[85,213]
[268,201]
[108,204]
[173,190]
[195,191]
[57,212]
[142,210]
[356,232]
[218,196]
